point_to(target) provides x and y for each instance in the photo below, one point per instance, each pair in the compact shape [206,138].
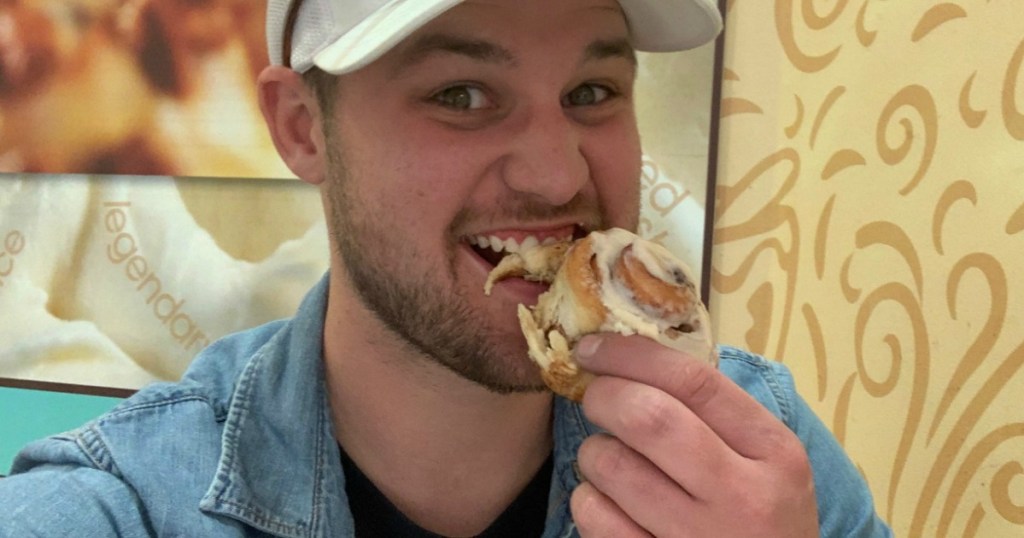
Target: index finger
[737,418]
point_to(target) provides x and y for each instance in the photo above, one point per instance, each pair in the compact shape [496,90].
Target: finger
[596,516]
[641,490]
[664,431]
[740,420]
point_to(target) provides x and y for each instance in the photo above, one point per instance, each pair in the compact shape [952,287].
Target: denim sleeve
[59,489]
[845,504]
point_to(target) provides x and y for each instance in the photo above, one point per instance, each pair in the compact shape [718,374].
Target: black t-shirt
[375,516]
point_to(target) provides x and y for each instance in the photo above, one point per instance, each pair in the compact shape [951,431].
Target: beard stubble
[433,318]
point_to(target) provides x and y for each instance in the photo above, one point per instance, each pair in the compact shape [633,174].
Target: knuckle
[595,515]
[649,413]
[587,510]
[782,487]
[757,505]
[789,456]
[760,511]
[696,383]
[603,457]
[797,465]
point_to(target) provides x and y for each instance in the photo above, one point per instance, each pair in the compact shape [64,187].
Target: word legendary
[11,245]
[663,196]
[123,248]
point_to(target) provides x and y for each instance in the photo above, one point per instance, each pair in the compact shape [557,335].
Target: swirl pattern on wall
[868,232]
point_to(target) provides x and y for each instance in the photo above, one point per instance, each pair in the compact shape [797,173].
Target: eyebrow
[602,49]
[431,44]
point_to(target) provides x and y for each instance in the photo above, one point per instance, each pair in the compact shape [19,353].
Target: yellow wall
[868,233]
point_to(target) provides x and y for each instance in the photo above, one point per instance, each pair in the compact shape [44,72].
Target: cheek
[615,164]
[418,182]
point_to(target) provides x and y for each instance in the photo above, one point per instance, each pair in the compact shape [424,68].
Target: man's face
[507,119]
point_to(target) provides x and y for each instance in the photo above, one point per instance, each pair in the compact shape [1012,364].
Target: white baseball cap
[340,36]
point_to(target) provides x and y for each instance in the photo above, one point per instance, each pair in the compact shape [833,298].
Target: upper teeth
[510,244]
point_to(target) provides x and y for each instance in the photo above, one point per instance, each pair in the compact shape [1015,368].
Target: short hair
[324,86]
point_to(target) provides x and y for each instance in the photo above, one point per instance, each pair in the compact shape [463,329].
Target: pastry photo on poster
[126,249]
[146,87]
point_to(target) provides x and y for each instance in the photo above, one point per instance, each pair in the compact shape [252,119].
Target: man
[400,400]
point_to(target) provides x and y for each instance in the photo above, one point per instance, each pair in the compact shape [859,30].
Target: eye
[587,95]
[462,97]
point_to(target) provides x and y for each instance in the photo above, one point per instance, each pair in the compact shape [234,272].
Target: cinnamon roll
[608,281]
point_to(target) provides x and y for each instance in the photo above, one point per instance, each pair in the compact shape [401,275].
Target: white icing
[624,315]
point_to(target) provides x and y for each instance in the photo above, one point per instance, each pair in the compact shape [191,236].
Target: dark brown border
[709,201]
[47,386]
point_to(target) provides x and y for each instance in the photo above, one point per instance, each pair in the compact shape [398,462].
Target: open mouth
[492,248]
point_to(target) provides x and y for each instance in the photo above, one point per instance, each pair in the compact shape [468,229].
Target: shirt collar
[280,467]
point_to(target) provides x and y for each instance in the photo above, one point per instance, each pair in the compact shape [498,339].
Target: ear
[293,118]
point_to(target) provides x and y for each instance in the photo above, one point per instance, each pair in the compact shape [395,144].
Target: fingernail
[587,347]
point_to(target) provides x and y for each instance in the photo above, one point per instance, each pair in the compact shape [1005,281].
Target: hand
[689,452]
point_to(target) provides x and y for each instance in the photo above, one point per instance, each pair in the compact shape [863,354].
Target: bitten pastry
[608,281]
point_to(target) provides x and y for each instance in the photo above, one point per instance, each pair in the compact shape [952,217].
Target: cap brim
[671,25]
[655,26]
[378,33]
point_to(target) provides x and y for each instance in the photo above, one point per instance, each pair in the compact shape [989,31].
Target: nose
[546,159]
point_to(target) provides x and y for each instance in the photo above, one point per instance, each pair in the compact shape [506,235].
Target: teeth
[553,240]
[511,245]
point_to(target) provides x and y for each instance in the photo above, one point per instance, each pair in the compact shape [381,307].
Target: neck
[415,428]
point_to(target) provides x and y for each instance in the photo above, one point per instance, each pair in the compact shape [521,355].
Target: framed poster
[144,87]
[144,212]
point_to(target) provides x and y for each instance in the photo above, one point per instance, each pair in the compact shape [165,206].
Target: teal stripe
[26,415]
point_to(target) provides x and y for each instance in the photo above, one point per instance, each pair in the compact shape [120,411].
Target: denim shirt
[243,445]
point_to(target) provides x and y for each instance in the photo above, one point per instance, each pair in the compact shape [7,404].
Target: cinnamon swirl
[608,281]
